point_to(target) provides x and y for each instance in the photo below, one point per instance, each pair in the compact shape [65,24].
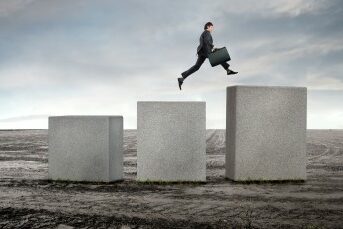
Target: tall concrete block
[86,148]
[266,133]
[171,141]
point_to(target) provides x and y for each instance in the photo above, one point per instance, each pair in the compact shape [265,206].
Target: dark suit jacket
[206,44]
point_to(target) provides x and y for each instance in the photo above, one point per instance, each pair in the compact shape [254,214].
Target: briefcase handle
[216,49]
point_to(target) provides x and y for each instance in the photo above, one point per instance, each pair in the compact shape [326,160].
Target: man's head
[208,26]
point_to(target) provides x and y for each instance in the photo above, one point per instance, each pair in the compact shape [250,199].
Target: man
[204,49]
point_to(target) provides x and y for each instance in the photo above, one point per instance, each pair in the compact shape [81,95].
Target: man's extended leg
[195,67]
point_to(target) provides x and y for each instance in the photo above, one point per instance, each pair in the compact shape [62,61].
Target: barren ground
[29,200]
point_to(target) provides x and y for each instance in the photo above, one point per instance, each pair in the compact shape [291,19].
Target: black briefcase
[219,56]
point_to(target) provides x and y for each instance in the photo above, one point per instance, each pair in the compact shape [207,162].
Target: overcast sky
[86,57]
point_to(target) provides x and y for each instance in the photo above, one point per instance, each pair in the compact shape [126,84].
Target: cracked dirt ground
[29,200]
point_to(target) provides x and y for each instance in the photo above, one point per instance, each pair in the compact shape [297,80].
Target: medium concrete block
[171,141]
[86,148]
[266,133]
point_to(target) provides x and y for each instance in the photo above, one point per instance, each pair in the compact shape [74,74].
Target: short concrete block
[86,148]
[266,133]
[171,141]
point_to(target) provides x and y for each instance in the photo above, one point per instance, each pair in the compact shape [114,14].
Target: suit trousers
[197,65]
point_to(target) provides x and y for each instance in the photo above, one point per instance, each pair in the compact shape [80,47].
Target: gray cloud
[8,7]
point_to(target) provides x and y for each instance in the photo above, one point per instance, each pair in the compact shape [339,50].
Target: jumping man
[204,49]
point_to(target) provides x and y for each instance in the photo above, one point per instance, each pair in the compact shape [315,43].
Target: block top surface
[260,86]
[87,116]
[171,102]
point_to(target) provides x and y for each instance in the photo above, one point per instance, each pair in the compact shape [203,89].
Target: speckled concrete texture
[266,133]
[171,141]
[86,148]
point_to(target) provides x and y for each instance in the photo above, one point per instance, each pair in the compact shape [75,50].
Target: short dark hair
[208,24]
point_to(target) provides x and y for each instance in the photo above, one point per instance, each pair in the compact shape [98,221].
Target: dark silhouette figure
[204,49]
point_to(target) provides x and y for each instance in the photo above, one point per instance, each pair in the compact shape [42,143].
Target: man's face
[210,28]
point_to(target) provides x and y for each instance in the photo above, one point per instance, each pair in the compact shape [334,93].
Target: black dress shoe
[230,72]
[180,80]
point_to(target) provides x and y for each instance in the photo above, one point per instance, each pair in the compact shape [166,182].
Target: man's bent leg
[225,65]
[228,71]
[195,67]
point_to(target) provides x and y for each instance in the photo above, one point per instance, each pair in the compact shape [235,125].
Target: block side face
[78,148]
[116,149]
[271,133]
[171,141]
[230,133]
